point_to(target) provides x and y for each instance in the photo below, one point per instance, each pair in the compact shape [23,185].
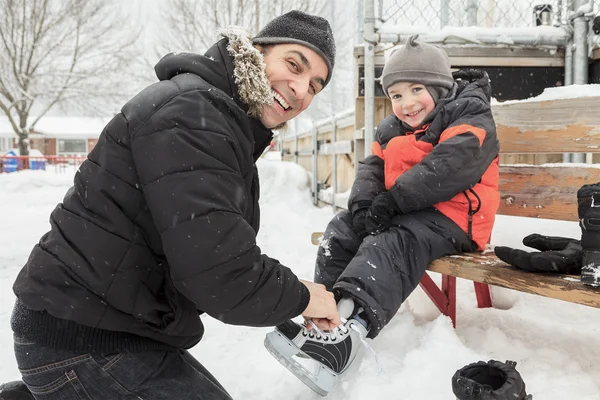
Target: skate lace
[333,335]
[370,349]
[339,332]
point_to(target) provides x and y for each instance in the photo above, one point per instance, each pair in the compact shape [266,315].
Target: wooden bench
[549,192]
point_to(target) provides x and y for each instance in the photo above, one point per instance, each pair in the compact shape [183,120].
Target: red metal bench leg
[435,294]
[444,299]
[482,291]
[449,289]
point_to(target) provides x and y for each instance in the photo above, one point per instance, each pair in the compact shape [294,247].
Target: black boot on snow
[588,199]
[15,390]
[492,380]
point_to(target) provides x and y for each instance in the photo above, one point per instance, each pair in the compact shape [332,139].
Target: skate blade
[321,381]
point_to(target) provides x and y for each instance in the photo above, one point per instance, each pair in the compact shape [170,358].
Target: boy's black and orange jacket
[450,163]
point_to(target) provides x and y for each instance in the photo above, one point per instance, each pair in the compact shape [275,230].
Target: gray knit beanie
[301,28]
[418,63]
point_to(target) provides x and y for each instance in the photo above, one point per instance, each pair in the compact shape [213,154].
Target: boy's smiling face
[411,102]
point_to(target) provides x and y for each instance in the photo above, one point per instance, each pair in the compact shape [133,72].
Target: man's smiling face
[296,74]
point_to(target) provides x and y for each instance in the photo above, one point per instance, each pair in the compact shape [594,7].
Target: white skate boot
[316,357]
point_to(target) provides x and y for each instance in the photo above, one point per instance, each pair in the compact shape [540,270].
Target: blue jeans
[151,375]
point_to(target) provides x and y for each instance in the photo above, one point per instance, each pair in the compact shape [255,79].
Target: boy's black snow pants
[379,272]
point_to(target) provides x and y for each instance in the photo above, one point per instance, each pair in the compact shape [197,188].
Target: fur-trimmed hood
[232,65]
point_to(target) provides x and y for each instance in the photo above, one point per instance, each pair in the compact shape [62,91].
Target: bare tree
[193,24]
[59,52]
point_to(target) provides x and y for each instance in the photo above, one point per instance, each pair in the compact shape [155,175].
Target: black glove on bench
[557,254]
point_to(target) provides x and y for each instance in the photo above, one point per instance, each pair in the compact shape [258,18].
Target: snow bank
[556,344]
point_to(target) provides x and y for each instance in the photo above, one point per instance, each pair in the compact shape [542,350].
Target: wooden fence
[331,151]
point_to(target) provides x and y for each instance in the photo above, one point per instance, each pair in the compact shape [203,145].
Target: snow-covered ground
[556,344]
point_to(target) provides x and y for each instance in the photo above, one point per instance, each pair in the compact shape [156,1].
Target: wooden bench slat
[543,192]
[489,269]
[553,126]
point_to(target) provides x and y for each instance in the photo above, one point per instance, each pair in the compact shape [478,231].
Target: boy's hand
[379,217]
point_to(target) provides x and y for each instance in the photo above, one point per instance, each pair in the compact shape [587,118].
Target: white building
[59,136]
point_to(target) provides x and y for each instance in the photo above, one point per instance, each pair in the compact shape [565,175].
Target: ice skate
[316,357]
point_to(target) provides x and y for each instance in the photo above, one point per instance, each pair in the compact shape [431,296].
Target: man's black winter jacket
[161,222]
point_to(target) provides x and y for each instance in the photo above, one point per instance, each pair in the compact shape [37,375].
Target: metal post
[444,13]
[568,80]
[369,43]
[580,41]
[296,147]
[479,36]
[281,143]
[569,62]
[315,166]
[472,7]
[580,56]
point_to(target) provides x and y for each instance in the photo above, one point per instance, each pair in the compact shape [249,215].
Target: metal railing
[333,148]
[523,25]
[60,164]
[565,24]
[437,14]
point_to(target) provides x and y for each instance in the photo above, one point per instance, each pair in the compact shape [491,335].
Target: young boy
[429,189]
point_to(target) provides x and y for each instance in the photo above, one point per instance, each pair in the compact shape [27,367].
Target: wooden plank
[359,113]
[457,62]
[543,192]
[495,52]
[532,159]
[315,238]
[489,269]
[339,147]
[326,197]
[380,110]
[555,126]
[505,57]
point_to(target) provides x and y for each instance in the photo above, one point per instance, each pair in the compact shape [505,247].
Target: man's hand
[379,217]
[321,308]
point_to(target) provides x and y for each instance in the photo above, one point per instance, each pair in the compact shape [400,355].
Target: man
[161,226]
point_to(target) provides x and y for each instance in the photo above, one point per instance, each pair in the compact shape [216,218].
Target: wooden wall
[563,125]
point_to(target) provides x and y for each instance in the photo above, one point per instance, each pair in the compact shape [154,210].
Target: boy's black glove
[557,254]
[379,217]
[358,222]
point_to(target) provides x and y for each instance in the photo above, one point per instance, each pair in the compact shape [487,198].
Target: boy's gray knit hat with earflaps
[301,28]
[421,63]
